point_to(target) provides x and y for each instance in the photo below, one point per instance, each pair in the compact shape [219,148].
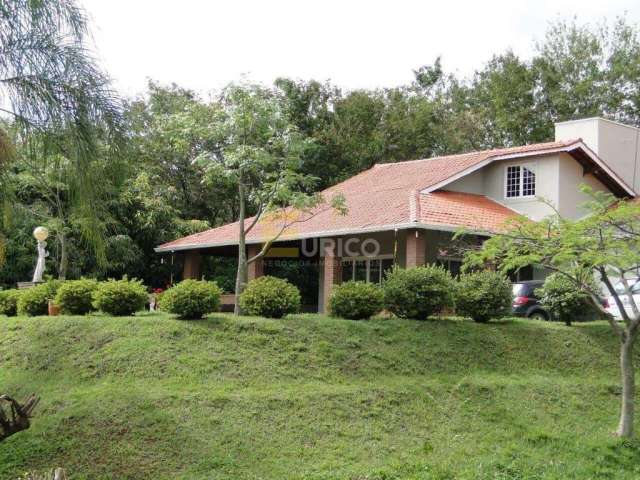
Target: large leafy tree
[260,154]
[604,245]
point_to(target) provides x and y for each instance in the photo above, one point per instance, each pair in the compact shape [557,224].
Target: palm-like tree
[52,90]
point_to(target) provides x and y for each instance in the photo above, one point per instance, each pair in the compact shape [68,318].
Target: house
[407,213]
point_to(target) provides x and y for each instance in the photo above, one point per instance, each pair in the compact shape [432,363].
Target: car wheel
[538,315]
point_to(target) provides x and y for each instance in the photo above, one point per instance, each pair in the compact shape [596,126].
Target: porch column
[192,264]
[416,247]
[332,274]
[256,269]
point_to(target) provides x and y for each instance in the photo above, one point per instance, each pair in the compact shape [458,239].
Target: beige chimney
[618,145]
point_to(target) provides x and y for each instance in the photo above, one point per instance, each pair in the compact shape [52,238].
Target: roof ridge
[491,151]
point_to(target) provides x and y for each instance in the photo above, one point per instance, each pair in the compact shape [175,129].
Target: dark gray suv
[526,302]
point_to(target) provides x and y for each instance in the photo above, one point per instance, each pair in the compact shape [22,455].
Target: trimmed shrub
[270,297]
[191,299]
[483,296]
[9,302]
[75,297]
[418,292]
[564,300]
[356,300]
[35,300]
[120,297]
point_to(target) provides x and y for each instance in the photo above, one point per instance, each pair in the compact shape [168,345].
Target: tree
[584,71]
[49,84]
[58,102]
[260,154]
[605,245]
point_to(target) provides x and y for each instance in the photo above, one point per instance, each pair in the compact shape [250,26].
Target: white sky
[205,44]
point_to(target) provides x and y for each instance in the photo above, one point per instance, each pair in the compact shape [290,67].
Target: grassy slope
[311,397]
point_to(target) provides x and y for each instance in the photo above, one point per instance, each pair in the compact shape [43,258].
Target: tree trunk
[625,427]
[241,275]
[64,259]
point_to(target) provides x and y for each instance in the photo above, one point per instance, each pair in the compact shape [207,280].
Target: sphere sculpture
[40,234]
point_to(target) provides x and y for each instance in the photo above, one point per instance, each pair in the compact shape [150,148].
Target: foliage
[418,292]
[356,300]
[483,295]
[120,297]
[9,302]
[564,299]
[270,297]
[191,299]
[75,297]
[604,244]
[124,257]
[35,300]
[61,111]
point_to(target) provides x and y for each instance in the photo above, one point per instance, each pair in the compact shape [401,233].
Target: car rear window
[525,289]
[517,289]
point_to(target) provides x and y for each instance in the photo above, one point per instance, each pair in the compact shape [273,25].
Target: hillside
[314,398]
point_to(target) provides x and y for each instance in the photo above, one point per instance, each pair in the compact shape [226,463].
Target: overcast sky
[206,44]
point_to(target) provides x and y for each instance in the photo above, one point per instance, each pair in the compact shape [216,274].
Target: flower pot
[53,309]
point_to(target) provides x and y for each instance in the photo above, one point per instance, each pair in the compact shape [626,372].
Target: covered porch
[316,264]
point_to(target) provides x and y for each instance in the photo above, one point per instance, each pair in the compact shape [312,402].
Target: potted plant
[54,309]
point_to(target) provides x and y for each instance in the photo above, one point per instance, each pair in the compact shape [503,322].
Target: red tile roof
[456,209]
[388,196]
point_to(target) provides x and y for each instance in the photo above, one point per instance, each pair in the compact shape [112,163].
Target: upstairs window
[520,181]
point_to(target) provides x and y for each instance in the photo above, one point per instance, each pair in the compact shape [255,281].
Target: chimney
[618,145]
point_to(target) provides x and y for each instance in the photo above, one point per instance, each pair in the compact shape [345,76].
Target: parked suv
[526,302]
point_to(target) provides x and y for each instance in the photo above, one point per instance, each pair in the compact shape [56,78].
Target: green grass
[310,397]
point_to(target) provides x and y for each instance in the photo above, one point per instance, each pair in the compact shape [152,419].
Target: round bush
[356,300]
[564,299]
[75,297]
[191,299]
[417,292]
[35,300]
[483,296]
[9,302]
[120,297]
[270,297]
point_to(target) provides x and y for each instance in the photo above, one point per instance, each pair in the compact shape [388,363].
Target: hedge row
[188,299]
[415,293]
[76,297]
[420,292]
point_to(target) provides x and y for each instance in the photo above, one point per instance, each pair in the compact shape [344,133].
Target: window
[366,269]
[520,181]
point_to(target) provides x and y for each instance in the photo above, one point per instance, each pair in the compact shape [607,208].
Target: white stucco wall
[571,199]
[472,183]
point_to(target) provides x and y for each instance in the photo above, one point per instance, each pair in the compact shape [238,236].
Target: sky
[205,44]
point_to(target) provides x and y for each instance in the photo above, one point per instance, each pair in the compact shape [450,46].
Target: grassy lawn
[310,397]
